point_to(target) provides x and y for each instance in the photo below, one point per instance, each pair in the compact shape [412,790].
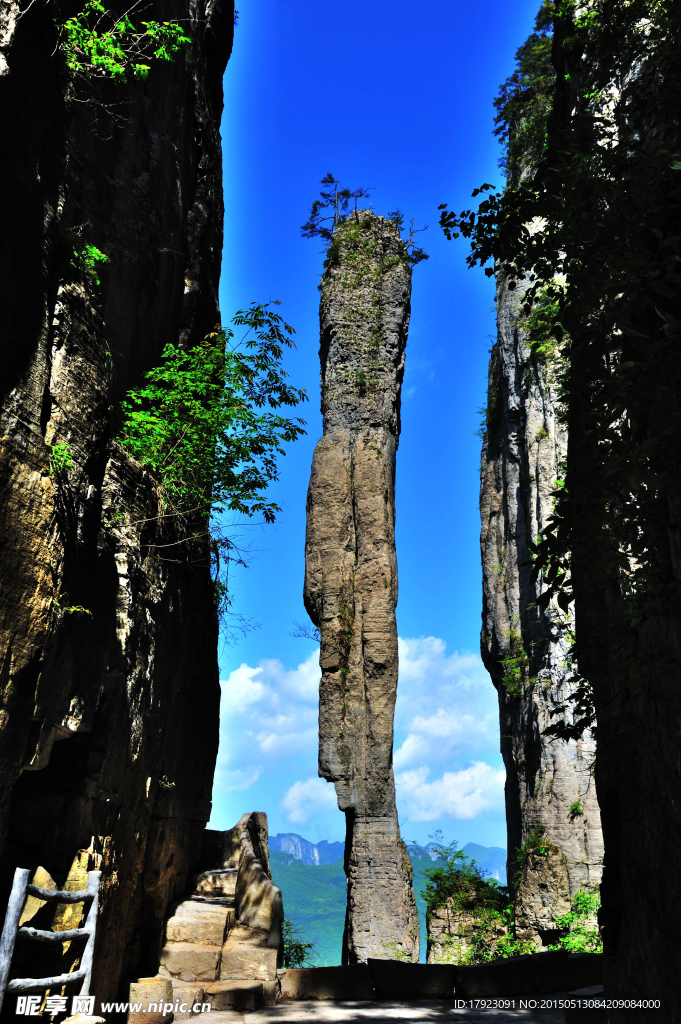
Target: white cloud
[446,706]
[243,688]
[446,739]
[237,779]
[305,799]
[267,713]
[462,794]
[283,744]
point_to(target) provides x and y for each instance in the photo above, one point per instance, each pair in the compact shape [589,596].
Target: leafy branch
[97,44]
[206,424]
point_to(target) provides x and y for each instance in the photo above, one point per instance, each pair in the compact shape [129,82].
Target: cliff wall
[110,695]
[550,791]
[351,571]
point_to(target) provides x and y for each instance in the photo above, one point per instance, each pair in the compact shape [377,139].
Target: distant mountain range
[312,881]
[490,859]
[305,851]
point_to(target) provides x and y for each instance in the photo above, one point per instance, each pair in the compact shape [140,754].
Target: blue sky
[396,96]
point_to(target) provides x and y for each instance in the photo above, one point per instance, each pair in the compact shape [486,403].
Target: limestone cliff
[110,696]
[351,571]
[549,785]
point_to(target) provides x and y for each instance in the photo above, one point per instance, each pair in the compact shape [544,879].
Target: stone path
[426,1011]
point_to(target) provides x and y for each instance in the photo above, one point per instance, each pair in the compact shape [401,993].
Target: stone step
[188,995]
[190,961]
[192,906]
[220,882]
[234,994]
[196,922]
[243,961]
[240,934]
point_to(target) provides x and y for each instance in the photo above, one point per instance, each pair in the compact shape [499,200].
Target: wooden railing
[21,888]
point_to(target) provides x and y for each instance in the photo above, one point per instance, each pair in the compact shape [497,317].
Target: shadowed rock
[351,571]
[550,791]
[108,629]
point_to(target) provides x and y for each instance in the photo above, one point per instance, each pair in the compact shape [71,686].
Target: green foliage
[85,259]
[98,45]
[487,944]
[524,101]
[204,424]
[516,667]
[542,321]
[61,460]
[165,782]
[581,936]
[535,845]
[196,422]
[482,429]
[393,952]
[457,880]
[335,199]
[71,609]
[576,810]
[296,953]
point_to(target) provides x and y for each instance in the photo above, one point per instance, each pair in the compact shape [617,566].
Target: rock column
[552,813]
[351,571]
[108,644]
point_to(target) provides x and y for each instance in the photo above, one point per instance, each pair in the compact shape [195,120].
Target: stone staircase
[223,942]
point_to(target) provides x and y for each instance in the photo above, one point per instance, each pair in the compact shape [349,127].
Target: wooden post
[9,931]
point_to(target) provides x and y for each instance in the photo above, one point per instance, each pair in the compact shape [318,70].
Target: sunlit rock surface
[351,572]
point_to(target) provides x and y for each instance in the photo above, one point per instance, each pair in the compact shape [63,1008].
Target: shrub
[296,953]
[581,936]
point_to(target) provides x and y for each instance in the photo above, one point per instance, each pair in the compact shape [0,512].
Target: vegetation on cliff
[98,44]
[456,883]
[204,424]
[332,208]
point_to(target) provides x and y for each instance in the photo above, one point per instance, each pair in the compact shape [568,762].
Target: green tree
[456,879]
[296,953]
[524,101]
[457,882]
[336,200]
[205,423]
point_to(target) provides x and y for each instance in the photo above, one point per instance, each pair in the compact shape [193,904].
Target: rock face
[351,571]
[110,695]
[550,790]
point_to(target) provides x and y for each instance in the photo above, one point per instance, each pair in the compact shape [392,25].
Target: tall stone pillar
[555,842]
[351,571]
